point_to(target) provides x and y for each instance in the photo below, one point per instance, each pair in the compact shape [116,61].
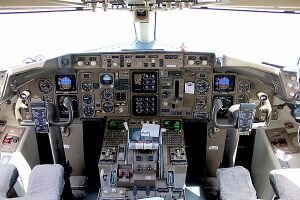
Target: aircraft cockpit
[144,122]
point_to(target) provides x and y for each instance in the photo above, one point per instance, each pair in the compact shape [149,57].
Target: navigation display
[65,83]
[144,82]
[224,83]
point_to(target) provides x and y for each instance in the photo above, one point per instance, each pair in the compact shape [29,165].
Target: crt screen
[65,83]
[224,83]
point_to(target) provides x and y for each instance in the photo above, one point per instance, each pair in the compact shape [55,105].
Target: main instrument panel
[145,97]
[145,84]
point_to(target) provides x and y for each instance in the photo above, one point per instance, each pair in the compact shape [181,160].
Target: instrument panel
[146,84]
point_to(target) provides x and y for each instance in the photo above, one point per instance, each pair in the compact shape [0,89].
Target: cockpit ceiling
[278,5]
[37,4]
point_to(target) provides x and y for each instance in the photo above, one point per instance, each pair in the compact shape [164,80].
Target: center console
[142,159]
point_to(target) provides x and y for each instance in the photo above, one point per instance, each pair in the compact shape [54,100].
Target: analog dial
[202,86]
[107,94]
[244,86]
[87,98]
[200,103]
[107,107]
[106,79]
[87,86]
[88,111]
[45,85]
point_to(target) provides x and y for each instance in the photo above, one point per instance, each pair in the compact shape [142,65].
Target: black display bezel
[231,87]
[134,113]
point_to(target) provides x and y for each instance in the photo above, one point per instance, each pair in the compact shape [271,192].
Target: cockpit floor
[191,193]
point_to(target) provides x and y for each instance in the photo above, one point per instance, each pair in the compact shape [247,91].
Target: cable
[298,136]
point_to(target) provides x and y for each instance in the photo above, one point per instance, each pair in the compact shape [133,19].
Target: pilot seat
[45,182]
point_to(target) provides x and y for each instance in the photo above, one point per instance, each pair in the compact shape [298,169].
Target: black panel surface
[93,131]
[195,132]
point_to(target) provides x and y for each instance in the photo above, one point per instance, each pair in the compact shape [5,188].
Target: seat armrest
[235,183]
[286,183]
[8,177]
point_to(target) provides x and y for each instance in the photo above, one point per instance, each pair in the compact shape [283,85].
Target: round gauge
[88,111]
[87,98]
[107,107]
[107,94]
[87,86]
[243,98]
[200,103]
[45,85]
[106,79]
[165,94]
[244,86]
[202,86]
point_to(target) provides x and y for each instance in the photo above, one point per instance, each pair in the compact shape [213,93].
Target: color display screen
[65,83]
[224,83]
[116,125]
[172,124]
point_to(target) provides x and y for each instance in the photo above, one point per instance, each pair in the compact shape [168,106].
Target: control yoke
[45,119]
[243,114]
[50,110]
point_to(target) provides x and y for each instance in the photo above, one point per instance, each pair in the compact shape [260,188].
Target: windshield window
[57,33]
[254,36]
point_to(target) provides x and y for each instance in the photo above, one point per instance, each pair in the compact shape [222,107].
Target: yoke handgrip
[21,104]
[216,107]
[68,104]
[265,107]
